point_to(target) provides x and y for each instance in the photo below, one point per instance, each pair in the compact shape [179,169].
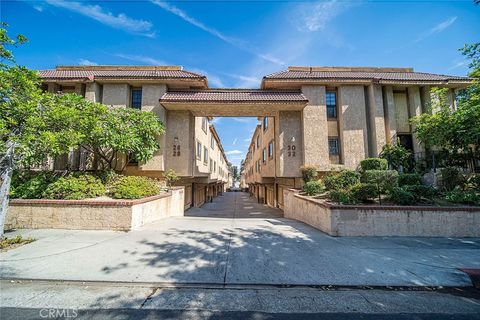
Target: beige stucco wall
[352,221]
[289,126]
[415,106]
[180,124]
[93,92]
[315,129]
[377,136]
[153,211]
[353,125]
[390,115]
[268,168]
[64,214]
[150,103]
[116,95]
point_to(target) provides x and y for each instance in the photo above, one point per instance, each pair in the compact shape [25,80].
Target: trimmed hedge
[312,188]
[363,192]
[133,187]
[409,179]
[75,187]
[401,196]
[385,180]
[309,173]
[374,164]
[342,197]
[337,180]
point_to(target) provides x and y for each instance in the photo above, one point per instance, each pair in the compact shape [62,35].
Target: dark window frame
[135,103]
[331,104]
[265,123]
[337,146]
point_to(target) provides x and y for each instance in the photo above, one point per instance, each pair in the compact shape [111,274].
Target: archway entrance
[275,151]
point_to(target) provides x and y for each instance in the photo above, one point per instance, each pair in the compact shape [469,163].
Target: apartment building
[329,117]
[351,114]
[190,146]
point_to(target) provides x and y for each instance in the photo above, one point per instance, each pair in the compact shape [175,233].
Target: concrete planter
[94,214]
[376,220]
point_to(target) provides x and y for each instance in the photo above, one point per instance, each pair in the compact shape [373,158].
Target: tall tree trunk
[7,163]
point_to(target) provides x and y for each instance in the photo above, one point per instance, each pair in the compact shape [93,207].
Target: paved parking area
[235,240]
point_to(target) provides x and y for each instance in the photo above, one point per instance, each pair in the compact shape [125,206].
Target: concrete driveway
[235,241]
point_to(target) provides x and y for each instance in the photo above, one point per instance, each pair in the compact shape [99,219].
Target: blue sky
[235,43]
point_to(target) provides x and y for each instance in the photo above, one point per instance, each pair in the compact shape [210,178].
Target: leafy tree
[398,156]
[457,131]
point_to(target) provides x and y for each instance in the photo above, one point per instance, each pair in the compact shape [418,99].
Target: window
[204,124]
[214,166]
[212,141]
[331,98]
[205,155]
[265,123]
[333,146]
[270,149]
[136,99]
[258,142]
[264,155]
[199,150]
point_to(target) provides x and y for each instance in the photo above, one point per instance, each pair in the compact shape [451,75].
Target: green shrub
[171,176]
[309,173]
[108,176]
[473,182]
[31,185]
[343,179]
[397,156]
[451,178]
[421,193]
[342,197]
[465,197]
[374,164]
[312,188]
[409,179]
[132,187]
[385,180]
[362,192]
[401,196]
[75,187]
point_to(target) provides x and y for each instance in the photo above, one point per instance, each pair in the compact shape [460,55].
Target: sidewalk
[234,248]
[104,301]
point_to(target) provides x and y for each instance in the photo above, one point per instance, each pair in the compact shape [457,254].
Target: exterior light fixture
[292,140]
[175,140]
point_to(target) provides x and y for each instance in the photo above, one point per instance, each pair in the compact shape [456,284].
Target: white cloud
[234,141]
[85,62]
[458,64]
[96,12]
[246,81]
[437,29]
[142,59]
[316,16]
[233,152]
[215,120]
[238,43]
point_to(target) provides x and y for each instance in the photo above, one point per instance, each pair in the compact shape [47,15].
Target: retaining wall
[94,214]
[377,220]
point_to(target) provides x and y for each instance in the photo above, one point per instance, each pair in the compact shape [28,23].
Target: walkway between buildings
[236,241]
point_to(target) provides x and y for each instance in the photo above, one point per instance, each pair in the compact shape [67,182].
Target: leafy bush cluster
[314,187]
[78,186]
[75,187]
[132,187]
[338,180]
[309,173]
[374,164]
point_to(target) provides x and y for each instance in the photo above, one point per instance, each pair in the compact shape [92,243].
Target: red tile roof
[233,95]
[117,72]
[340,73]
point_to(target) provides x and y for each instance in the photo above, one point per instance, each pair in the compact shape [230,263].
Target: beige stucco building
[328,117]
[191,146]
